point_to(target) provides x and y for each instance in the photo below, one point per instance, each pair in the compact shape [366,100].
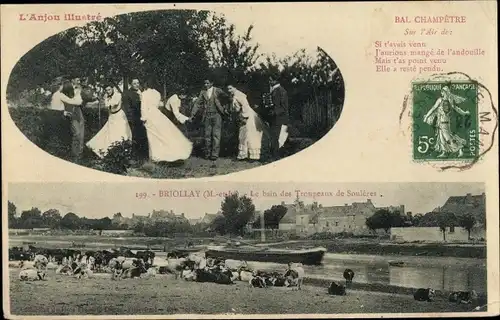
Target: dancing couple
[154,136]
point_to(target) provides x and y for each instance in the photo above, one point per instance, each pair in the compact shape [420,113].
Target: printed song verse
[415,54]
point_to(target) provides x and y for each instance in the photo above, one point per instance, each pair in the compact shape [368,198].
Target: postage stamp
[452,120]
[445,120]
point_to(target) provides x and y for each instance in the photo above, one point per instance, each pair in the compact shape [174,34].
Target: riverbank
[373,247]
[63,295]
[387,248]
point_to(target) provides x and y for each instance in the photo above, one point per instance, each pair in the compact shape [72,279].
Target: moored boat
[312,256]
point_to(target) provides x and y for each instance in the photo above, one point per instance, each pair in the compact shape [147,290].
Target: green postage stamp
[445,120]
[451,118]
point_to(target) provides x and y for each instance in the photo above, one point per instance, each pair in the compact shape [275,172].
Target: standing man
[69,107]
[279,116]
[131,104]
[213,112]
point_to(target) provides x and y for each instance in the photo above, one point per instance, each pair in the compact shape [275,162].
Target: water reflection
[447,278]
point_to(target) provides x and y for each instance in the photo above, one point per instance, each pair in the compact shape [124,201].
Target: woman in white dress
[251,128]
[446,140]
[166,142]
[115,129]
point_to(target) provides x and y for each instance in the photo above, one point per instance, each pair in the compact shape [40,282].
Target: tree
[417,219]
[219,225]
[31,218]
[273,216]
[467,222]
[371,223]
[12,212]
[51,218]
[70,221]
[445,220]
[238,211]
[384,219]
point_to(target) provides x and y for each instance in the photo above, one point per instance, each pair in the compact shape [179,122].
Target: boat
[397,263]
[312,256]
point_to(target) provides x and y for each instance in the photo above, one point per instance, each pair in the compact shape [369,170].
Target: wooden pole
[262,228]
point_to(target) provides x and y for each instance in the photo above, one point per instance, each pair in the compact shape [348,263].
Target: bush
[50,130]
[116,160]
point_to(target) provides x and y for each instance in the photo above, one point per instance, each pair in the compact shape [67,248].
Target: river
[447,274]
[441,273]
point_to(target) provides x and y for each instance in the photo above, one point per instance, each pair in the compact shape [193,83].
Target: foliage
[272,217]
[385,219]
[467,222]
[116,158]
[12,212]
[177,49]
[237,212]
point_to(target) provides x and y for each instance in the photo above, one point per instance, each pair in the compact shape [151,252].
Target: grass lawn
[64,295]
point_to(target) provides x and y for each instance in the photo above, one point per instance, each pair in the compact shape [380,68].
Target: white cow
[26,265]
[246,275]
[51,266]
[235,264]
[31,275]
[151,273]
[64,269]
[40,261]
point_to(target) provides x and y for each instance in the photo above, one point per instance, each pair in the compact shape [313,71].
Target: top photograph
[173,94]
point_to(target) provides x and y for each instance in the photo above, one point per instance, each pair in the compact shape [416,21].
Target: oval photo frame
[210,104]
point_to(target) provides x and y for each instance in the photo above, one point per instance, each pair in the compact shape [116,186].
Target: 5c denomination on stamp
[452,118]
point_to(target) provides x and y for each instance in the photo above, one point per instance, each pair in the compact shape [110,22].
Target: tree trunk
[468,234]
[165,84]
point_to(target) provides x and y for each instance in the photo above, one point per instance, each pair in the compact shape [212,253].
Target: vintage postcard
[250,160]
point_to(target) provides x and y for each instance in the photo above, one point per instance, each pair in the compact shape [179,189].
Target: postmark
[451,118]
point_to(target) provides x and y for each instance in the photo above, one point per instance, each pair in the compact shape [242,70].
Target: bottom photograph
[234,248]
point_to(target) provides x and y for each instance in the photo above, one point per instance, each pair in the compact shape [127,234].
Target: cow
[463,296]
[336,289]
[257,282]
[348,276]
[204,275]
[148,256]
[40,262]
[295,275]
[64,269]
[150,272]
[246,275]
[135,271]
[175,266]
[235,264]
[279,280]
[423,294]
[26,264]
[223,278]
[31,275]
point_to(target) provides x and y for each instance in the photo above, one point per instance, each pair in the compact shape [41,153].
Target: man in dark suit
[213,111]
[131,104]
[278,115]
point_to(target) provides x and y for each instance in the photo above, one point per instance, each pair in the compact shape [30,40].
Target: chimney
[368,200]
[182,214]
[282,203]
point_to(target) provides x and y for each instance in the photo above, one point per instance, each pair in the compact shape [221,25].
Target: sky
[194,199]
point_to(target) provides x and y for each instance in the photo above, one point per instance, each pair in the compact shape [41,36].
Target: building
[308,219]
[473,204]
[434,234]
[194,221]
[458,205]
[351,218]
[208,218]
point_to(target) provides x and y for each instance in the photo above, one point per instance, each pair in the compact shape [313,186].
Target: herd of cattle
[123,263]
